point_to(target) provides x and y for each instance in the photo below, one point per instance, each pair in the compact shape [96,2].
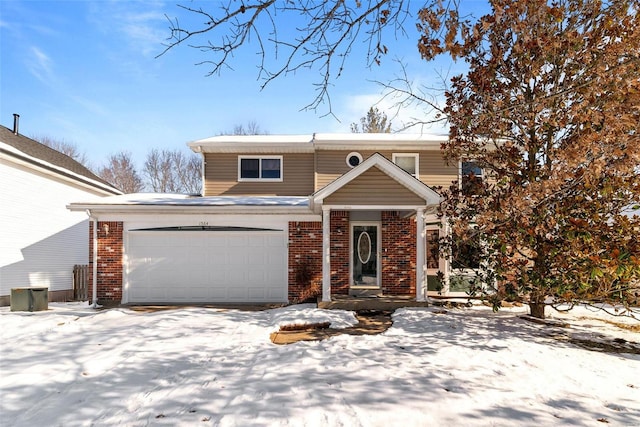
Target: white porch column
[420,255]
[444,263]
[326,254]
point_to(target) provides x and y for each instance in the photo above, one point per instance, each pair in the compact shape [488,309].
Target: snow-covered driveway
[73,366]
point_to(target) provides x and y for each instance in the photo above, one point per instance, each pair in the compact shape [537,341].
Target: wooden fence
[81,282]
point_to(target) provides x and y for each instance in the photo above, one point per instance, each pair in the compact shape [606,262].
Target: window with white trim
[407,161]
[471,178]
[260,168]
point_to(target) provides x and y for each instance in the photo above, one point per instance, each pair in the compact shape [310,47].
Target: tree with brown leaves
[550,110]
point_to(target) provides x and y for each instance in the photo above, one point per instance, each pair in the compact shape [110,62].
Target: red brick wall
[398,254]
[110,250]
[339,252]
[305,252]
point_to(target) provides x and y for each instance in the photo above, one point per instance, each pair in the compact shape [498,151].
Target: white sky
[85,72]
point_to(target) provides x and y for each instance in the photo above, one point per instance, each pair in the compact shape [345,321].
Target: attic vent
[354,159]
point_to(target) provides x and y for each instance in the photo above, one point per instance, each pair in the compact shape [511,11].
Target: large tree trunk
[536,309]
[538,293]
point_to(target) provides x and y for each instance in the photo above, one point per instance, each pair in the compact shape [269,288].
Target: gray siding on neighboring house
[374,187]
[432,169]
[221,172]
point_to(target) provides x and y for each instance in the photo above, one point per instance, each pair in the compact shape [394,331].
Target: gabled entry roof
[419,191]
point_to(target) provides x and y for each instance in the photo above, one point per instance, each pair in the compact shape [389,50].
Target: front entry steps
[381,303]
[365,292]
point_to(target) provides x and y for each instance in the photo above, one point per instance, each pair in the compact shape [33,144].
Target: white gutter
[17,156]
[94,278]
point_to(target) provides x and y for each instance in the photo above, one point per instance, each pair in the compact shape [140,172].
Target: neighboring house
[352,213]
[41,240]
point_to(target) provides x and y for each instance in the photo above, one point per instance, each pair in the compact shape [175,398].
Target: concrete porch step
[382,303]
[365,292]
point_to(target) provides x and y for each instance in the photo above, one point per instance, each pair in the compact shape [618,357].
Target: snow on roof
[378,137]
[262,139]
[169,199]
[311,142]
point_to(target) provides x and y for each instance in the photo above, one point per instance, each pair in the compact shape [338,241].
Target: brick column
[110,251]
[339,252]
[398,254]
[305,260]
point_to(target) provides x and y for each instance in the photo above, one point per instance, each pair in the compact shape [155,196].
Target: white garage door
[206,266]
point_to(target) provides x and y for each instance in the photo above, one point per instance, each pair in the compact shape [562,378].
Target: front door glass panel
[365,255]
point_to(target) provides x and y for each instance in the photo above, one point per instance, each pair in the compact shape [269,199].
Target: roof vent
[16,122]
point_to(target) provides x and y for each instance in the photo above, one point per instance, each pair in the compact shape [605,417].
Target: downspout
[94,276]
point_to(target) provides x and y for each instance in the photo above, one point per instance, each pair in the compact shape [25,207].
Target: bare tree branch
[120,172]
[68,148]
[325,35]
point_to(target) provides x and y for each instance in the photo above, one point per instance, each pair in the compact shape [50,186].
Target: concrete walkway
[369,323]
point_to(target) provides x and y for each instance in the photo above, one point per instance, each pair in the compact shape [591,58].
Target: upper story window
[472,176]
[408,162]
[260,168]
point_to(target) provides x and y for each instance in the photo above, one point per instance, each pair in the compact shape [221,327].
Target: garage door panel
[256,293]
[206,266]
[237,294]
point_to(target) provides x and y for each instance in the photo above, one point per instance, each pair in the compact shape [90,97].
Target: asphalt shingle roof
[46,154]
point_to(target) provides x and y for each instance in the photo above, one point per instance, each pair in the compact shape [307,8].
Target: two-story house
[350,213]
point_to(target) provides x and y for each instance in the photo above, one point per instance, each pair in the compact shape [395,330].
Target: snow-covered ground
[74,366]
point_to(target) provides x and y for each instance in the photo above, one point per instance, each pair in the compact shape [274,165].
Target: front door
[364,255]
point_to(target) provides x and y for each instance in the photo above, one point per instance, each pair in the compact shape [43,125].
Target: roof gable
[374,188]
[390,169]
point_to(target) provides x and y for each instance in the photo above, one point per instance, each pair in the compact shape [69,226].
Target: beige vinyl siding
[434,171]
[374,187]
[221,176]
[432,168]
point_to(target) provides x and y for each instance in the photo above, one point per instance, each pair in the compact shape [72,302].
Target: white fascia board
[252,148]
[388,167]
[309,143]
[254,144]
[52,170]
[373,207]
[378,141]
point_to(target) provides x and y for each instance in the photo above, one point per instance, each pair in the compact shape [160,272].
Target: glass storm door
[432,260]
[364,255]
